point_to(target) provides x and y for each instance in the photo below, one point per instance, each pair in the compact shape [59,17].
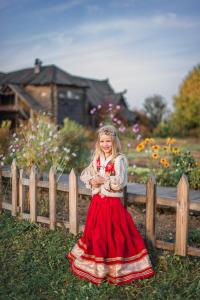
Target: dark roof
[47,75]
[26,97]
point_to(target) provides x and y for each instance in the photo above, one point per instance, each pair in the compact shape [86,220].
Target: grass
[33,266]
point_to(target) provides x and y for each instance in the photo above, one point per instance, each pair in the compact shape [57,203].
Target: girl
[111,248]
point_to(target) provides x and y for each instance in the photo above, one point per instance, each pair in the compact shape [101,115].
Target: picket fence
[17,207]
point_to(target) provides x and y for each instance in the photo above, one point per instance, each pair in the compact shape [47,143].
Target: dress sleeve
[119,180]
[87,174]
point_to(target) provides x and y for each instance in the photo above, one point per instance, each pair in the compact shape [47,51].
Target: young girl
[111,248]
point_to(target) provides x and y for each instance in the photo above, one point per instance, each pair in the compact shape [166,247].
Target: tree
[186,116]
[155,107]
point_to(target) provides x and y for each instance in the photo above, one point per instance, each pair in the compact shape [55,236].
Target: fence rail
[182,203]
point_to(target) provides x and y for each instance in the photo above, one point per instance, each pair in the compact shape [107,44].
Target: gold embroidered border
[144,251]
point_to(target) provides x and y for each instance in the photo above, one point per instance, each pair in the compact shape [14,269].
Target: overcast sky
[144,46]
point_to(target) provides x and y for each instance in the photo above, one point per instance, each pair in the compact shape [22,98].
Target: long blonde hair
[116,145]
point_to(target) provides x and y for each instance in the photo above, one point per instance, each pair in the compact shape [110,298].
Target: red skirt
[111,248]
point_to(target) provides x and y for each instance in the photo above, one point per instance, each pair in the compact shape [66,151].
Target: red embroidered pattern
[109,167]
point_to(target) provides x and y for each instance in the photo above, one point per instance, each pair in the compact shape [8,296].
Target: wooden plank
[73,202]
[14,187]
[6,174]
[22,195]
[193,251]
[182,212]
[52,198]
[1,191]
[150,211]
[33,194]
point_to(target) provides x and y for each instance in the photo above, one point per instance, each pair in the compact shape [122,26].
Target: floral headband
[107,130]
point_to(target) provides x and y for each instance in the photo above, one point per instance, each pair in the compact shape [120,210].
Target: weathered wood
[22,194]
[182,210]
[33,194]
[150,211]
[52,198]
[73,202]
[1,191]
[14,187]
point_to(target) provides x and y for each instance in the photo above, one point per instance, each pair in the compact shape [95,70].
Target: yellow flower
[147,141]
[165,148]
[140,147]
[166,165]
[163,161]
[151,141]
[176,150]
[170,141]
[155,155]
[155,147]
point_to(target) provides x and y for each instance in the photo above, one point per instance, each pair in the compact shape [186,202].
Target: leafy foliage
[187,104]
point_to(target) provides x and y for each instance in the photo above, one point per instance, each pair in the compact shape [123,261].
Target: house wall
[71,104]
[42,94]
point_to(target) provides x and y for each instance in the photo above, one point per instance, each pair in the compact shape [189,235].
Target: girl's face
[105,143]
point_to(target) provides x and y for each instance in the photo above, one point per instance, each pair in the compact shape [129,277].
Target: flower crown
[107,130]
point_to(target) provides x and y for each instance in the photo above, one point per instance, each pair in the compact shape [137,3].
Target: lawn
[33,266]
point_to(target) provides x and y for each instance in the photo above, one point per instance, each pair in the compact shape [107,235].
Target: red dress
[111,248]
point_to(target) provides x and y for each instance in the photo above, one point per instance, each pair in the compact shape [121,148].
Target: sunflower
[166,165]
[155,147]
[163,161]
[155,155]
[165,148]
[140,147]
[147,141]
[170,141]
[175,150]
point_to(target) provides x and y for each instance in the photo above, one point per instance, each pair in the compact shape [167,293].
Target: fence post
[52,198]
[21,193]
[14,187]
[1,190]
[150,211]
[73,202]
[182,210]
[33,194]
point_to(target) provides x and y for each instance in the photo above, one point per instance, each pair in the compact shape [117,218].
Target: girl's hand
[97,181]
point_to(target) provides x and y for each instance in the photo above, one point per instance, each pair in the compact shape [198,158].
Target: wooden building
[24,93]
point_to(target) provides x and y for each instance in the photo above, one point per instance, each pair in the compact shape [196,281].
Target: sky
[146,47]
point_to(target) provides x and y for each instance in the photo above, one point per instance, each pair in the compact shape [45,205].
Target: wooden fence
[72,187]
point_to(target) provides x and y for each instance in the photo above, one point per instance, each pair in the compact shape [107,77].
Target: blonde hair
[116,146]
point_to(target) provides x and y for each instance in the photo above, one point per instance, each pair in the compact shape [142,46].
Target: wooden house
[24,93]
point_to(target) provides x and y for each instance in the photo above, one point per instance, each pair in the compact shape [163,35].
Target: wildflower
[99,106]
[175,150]
[165,148]
[138,137]
[115,119]
[155,155]
[14,134]
[140,147]
[74,154]
[110,104]
[118,107]
[151,141]
[128,145]
[67,150]
[100,124]
[136,128]
[155,147]
[163,161]
[119,122]
[147,141]
[170,141]
[166,165]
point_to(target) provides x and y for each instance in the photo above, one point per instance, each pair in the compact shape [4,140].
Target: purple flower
[119,122]
[110,105]
[99,106]
[136,128]
[128,145]
[118,107]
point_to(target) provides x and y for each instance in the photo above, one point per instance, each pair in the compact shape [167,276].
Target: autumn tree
[186,115]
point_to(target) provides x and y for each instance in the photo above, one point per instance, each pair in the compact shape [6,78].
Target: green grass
[33,266]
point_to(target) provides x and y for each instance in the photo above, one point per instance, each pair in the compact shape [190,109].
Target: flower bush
[167,162]
[39,142]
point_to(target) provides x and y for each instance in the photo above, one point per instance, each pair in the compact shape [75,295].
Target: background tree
[186,116]
[155,107]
